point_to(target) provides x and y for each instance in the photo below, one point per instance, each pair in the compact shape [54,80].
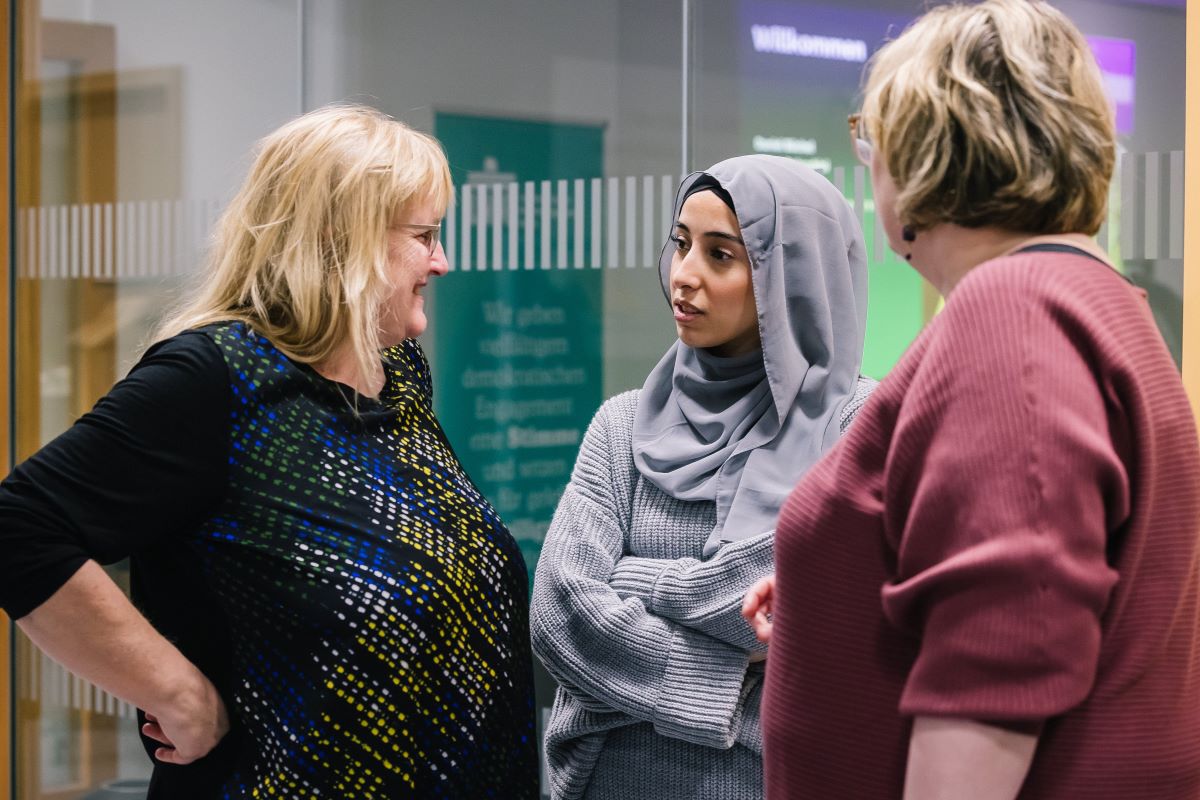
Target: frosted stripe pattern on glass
[579,223]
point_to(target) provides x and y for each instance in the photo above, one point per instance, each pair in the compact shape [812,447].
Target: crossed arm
[599,620]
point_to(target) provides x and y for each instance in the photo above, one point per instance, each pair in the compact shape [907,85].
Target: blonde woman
[326,606]
[990,588]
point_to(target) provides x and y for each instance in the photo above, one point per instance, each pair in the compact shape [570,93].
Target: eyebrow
[717,234]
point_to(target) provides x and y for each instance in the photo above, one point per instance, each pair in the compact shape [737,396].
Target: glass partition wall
[130,127]
[567,126]
[781,77]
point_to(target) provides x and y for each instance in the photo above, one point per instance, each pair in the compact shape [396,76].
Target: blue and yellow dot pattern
[376,602]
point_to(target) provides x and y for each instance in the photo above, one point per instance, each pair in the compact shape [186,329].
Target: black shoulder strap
[1058,247]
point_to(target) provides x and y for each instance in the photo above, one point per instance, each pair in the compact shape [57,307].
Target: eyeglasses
[863,148]
[430,236]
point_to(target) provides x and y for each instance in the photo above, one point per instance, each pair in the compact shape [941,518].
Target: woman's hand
[756,608]
[191,729]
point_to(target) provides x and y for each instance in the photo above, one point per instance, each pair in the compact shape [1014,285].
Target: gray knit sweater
[657,694]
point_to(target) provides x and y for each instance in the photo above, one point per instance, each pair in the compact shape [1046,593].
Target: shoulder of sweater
[193,340]
[866,384]
[605,458]
[622,405]
[1051,289]
[862,391]
[1034,274]
[615,415]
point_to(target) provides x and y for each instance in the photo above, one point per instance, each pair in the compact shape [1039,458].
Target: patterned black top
[364,608]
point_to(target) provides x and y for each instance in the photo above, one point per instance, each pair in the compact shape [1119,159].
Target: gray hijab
[741,431]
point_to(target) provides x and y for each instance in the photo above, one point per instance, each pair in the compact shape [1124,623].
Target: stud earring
[909,235]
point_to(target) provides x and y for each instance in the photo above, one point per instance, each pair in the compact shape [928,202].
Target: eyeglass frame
[434,228]
[863,149]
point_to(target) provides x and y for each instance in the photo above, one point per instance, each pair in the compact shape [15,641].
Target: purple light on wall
[1117,58]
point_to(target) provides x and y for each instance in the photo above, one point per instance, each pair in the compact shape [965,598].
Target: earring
[908,234]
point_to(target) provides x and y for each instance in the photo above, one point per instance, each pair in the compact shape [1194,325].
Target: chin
[416,326]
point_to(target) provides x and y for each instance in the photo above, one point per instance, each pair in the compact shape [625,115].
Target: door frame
[1191,205]
[91,49]
[7,246]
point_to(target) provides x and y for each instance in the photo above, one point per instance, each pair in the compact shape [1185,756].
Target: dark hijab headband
[707,183]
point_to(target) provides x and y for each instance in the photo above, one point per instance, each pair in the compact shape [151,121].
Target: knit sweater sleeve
[614,652]
[704,595]
[707,595]
[1003,482]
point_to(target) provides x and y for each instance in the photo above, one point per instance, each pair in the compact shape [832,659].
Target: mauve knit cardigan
[1009,532]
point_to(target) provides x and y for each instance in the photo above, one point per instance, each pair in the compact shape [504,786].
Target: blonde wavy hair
[993,114]
[300,253]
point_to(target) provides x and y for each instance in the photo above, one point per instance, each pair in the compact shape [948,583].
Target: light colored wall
[238,61]
[609,62]
[197,85]
[614,62]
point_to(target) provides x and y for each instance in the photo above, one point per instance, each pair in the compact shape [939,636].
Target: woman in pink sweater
[989,588]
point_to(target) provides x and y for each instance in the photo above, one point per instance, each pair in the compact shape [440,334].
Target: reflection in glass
[564,127]
[780,77]
[129,129]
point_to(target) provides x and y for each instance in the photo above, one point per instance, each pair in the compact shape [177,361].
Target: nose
[684,274]
[438,263]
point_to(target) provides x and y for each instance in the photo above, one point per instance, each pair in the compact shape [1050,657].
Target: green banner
[517,331]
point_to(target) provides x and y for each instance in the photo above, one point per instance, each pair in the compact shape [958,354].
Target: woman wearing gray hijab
[668,518]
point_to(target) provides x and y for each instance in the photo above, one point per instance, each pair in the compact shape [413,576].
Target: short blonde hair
[300,253]
[993,114]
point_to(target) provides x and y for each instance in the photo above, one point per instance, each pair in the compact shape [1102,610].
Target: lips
[685,312]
